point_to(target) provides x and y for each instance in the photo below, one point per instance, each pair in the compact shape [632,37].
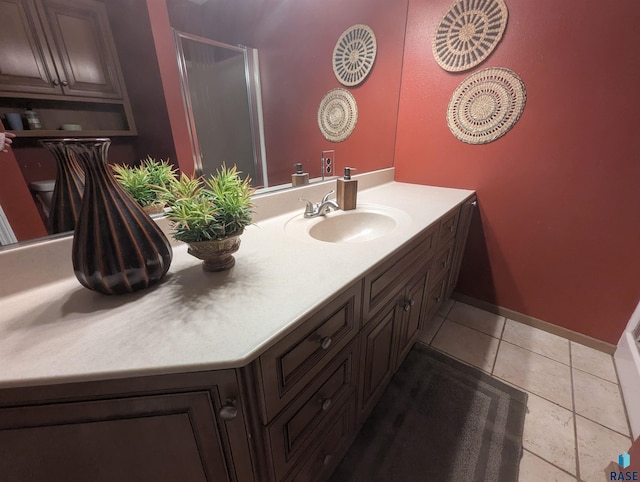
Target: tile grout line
[495,359]
[575,416]
[551,463]
[596,376]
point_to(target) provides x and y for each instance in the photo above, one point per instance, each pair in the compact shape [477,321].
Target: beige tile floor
[576,424]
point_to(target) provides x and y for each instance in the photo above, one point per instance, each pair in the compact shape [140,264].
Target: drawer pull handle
[444,264]
[327,459]
[451,228]
[325,343]
[229,410]
[437,299]
[408,304]
[326,404]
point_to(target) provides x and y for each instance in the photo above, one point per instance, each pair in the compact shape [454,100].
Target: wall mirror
[295,41]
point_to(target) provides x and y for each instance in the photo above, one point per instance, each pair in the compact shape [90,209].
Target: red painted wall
[558,230]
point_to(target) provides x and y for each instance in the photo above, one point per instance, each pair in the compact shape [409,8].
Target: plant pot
[216,254]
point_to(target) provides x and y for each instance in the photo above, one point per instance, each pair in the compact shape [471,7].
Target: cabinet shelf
[96,118]
[60,133]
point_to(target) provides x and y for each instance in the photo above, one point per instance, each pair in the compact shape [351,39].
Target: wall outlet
[328,163]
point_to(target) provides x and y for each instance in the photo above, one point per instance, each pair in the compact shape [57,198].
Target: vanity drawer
[300,426]
[385,281]
[448,227]
[441,263]
[333,444]
[296,360]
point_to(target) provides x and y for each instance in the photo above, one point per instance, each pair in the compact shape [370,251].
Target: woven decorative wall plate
[337,115]
[354,54]
[486,105]
[468,33]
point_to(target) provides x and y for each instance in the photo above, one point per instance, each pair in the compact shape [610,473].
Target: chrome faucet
[321,208]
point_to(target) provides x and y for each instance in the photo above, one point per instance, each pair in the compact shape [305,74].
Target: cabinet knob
[325,343]
[55,82]
[326,404]
[64,83]
[408,304]
[327,459]
[229,410]
[437,299]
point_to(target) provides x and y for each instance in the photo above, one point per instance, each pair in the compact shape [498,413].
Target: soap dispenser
[347,191]
[299,178]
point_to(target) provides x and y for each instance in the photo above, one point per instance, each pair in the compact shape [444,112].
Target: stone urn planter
[217,254]
[210,214]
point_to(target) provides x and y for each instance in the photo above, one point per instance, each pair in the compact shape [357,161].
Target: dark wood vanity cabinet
[176,427]
[290,415]
[410,286]
[57,47]
[305,388]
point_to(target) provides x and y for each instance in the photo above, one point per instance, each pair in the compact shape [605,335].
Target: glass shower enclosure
[221,92]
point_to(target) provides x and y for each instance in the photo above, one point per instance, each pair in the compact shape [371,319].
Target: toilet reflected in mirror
[43,192]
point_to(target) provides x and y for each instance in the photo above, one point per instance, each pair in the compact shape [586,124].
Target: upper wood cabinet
[57,47]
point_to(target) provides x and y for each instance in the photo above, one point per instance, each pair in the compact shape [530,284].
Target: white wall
[627,360]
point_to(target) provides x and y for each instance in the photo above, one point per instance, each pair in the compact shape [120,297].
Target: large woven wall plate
[486,105]
[354,54]
[468,33]
[337,115]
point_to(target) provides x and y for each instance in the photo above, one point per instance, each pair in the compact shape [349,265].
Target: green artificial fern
[145,182]
[211,208]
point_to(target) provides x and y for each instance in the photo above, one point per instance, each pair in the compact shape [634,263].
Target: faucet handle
[326,196]
[310,207]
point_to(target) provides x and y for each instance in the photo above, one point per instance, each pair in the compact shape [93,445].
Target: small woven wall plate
[354,54]
[337,115]
[468,33]
[486,105]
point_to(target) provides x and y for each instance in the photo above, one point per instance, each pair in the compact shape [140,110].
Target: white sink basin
[365,223]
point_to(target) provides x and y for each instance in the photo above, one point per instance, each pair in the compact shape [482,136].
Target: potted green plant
[145,182]
[210,214]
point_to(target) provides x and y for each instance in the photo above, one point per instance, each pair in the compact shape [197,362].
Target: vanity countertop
[192,321]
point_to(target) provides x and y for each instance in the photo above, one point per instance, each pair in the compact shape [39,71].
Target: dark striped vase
[117,247]
[67,193]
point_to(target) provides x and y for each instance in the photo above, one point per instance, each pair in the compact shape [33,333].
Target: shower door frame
[252,80]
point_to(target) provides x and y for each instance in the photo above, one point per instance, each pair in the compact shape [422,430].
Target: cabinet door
[25,62]
[379,350]
[82,47]
[411,315]
[143,437]
[466,213]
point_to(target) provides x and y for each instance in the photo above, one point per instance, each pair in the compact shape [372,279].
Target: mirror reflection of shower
[221,91]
